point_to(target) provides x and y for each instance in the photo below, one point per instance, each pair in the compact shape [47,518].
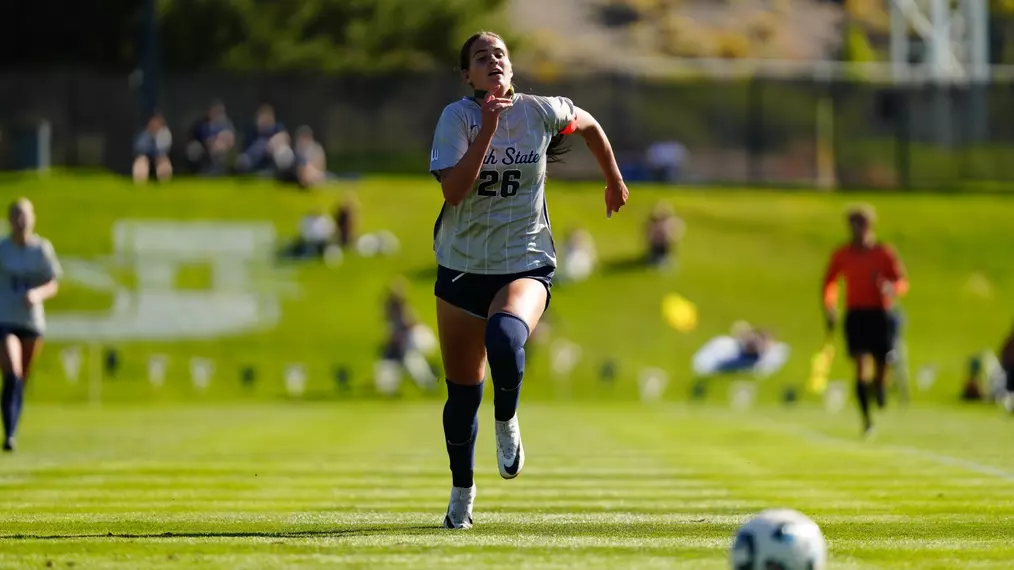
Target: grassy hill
[748,255]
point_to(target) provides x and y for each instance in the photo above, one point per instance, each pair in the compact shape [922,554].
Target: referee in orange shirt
[874,278]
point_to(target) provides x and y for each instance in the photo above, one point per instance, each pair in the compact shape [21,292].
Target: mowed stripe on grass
[364,485]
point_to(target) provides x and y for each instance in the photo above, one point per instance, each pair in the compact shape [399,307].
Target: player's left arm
[895,272]
[595,137]
[52,271]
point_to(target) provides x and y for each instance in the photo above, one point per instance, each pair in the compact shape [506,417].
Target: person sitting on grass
[745,350]
[664,232]
[151,151]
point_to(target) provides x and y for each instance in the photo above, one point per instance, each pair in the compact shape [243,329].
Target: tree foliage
[308,35]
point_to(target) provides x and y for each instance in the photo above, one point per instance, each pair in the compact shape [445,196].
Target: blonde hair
[20,204]
[861,211]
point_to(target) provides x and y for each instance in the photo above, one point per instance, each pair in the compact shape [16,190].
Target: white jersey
[23,268]
[502,226]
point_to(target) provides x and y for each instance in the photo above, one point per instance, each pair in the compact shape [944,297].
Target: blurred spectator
[1007,363]
[753,342]
[311,163]
[212,138]
[407,339]
[665,160]
[316,236]
[664,232]
[347,219]
[973,390]
[579,256]
[268,151]
[151,151]
[744,349]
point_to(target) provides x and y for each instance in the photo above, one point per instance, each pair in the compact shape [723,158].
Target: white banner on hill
[295,380]
[157,365]
[742,394]
[70,357]
[835,396]
[652,383]
[201,371]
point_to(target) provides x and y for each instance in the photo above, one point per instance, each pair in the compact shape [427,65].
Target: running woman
[874,278]
[28,274]
[494,248]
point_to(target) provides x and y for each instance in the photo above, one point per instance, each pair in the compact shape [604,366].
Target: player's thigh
[10,354]
[881,337]
[462,344]
[31,346]
[866,365]
[524,298]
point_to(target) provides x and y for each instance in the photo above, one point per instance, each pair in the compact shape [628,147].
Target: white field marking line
[968,465]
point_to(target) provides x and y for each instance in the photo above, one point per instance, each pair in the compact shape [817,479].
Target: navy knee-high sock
[506,335]
[7,398]
[18,404]
[461,426]
[863,395]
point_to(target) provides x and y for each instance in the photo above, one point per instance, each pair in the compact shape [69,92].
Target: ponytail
[557,148]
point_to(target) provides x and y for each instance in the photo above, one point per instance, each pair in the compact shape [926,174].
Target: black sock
[10,383]
[862,392]
[461,426]
[881,393]
[506,335]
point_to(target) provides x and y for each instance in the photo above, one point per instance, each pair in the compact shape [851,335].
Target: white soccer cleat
[510,453]
[459,510]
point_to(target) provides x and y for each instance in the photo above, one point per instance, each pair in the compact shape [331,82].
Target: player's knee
[141,169]
[506,335]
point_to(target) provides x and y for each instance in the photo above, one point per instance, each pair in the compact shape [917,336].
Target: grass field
[605,486]
[748,255]
[232,476]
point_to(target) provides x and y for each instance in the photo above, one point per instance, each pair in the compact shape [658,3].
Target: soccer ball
[779,539]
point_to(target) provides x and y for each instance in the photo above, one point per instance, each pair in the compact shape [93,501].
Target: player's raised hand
[492,106]
[616,196]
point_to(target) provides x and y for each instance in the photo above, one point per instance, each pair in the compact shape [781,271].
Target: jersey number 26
[509,183]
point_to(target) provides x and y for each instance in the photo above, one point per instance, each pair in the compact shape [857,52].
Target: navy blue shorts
[474,292]
[871,331]
[21,332]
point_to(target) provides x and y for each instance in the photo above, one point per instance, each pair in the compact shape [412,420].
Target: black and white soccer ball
[779,539]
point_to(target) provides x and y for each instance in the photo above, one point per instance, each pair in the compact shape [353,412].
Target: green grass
[748,255]
[605,486]
[178,478]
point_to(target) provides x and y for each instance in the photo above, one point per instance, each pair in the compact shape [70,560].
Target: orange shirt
[865,270]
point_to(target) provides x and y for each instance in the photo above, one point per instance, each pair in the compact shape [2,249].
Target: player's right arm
[454,161]
[830,289]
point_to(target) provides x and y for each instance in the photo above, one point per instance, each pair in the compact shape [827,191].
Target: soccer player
[1007,362]
[28,276]
[494,248]
[874,278]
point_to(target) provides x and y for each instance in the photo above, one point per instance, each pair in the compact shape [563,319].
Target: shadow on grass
[332,533]
[716,524]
